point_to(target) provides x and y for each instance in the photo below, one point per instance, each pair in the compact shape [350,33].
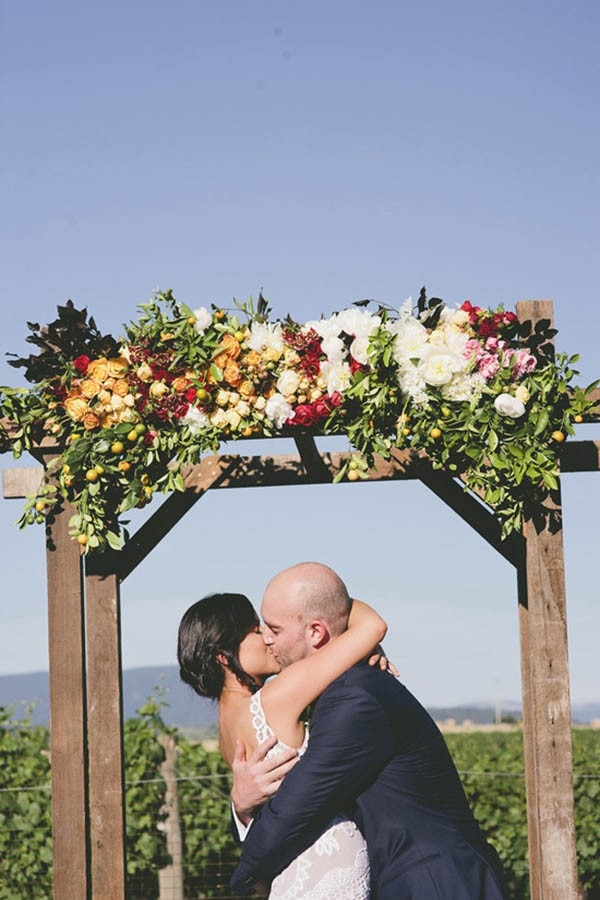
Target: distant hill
[188,711]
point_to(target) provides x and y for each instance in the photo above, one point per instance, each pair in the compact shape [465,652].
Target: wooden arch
[85,657]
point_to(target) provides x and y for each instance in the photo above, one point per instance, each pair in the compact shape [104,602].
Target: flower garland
[482,395]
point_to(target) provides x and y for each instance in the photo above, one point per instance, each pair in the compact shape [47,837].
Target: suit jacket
[375,753]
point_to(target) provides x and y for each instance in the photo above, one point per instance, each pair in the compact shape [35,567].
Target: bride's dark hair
[215,626]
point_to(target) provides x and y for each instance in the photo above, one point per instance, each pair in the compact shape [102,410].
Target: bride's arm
[301,682]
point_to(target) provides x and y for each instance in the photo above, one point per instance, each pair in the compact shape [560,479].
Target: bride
[223,656]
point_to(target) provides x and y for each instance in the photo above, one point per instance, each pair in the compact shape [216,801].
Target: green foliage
[491,767]
[144,796]
[209,849]
[25,810]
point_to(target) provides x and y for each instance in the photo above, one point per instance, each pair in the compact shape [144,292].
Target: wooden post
[105,738]
[170,878]
[67,711]
[546,699]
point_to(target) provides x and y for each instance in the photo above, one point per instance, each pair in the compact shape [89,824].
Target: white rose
[260,402]
[521,393]
[233,418]
[218,418]
[288,382]
[507,405]
[222,398]
[439,366]
[242,408]
[203,319]
[278,410]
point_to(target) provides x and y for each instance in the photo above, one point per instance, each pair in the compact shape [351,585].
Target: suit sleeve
[349,744]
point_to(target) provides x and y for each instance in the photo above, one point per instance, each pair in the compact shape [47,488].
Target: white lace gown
[336,866]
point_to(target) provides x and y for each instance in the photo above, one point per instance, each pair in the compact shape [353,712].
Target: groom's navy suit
[375,753]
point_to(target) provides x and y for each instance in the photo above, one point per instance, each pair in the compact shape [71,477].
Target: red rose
[150,438]
[190,394]
[181,410]
[304,416]
[81,364]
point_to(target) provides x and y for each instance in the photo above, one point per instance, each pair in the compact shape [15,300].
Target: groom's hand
[257,778]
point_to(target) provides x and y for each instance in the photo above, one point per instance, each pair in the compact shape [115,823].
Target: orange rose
[180,384]
[90,420]
[232,374]
[76,407]
[230,350]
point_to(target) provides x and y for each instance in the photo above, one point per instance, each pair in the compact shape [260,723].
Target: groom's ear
[318,634]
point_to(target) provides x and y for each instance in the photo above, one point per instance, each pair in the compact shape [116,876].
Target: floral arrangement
[481,394]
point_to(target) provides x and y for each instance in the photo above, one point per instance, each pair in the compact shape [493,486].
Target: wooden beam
[546,698]
[314,465]
[105,738]
[472,511]
[19,483]
[67,711]
[198,479]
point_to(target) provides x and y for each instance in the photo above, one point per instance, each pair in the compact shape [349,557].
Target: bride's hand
[380,659]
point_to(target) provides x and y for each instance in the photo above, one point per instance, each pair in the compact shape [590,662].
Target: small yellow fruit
[133,436]
[68,480]
[82,539]
[40,505]
[191,320]
[75,437]
[435,433]
[248,431]
[91,475]
[558,436]
[99,469]
[66,468]
[353,475]
[148,490]
[140,428]
[145,479]
[202,394]
[117,447]
[578,418]
[446,411]
[353,464]
[123,465]
[405,431]
[239,336]
[219,314]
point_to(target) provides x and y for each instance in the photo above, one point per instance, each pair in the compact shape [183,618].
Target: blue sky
[323,152]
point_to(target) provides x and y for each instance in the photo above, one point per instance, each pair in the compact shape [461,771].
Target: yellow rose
[271,354]
[98,369]
[76,408]
[246,388]
[117,366]
[253,358]
[121,387]
[218,418]
[89,388]
[230,349]
[521,393]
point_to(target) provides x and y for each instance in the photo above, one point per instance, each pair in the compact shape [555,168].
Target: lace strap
[261,729]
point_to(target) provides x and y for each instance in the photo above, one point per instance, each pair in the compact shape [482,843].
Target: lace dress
[336,866]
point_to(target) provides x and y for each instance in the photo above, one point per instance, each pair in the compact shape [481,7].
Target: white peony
[278,410]
[266,334]
[333,347]
[195,419]
[411,340]
[337,376]
[507,405]
[438,365]
[203,319]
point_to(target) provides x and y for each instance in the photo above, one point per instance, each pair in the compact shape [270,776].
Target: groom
[373,751]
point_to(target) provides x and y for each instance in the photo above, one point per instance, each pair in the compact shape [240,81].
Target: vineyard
[491,767]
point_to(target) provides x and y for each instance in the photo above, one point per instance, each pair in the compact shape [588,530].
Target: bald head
[297,598]
[315,592]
